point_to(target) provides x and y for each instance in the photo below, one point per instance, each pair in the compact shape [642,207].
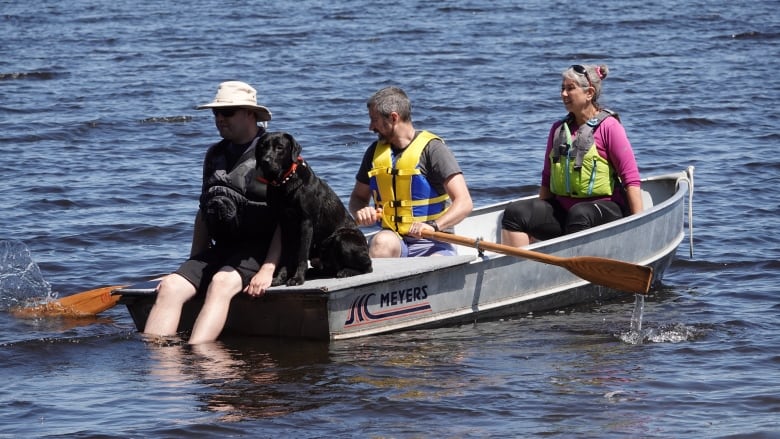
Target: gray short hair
[391,99]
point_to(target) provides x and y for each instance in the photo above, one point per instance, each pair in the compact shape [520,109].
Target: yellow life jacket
[400,189]
[576,168]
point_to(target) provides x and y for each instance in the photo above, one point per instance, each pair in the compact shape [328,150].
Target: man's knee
[174,288]
[385,244]
[225,282]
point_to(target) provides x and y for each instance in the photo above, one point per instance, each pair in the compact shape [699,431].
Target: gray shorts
[414,247]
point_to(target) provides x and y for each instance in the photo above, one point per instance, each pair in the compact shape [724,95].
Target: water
[101,152]
[635,334]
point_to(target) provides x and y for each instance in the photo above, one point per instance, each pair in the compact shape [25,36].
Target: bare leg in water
[211,320]
[173,291]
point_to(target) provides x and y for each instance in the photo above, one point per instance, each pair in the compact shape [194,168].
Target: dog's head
[276,153]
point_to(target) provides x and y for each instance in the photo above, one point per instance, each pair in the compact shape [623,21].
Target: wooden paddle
[619,275]
[83,304]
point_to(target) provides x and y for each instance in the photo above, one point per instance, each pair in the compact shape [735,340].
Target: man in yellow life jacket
[413,179]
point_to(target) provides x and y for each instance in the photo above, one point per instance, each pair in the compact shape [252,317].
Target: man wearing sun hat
[232,248]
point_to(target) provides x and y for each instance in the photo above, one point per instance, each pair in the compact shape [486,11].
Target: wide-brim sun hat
[237,94]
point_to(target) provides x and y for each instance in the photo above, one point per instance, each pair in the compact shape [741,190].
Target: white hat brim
[263,113]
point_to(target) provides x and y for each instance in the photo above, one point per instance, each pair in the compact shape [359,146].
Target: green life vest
[576,168]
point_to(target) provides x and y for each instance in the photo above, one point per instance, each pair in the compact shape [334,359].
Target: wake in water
[27,75]
[20,278]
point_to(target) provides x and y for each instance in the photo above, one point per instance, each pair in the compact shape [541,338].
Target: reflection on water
[60,324]
[416,366]
[246,379]
[243,379]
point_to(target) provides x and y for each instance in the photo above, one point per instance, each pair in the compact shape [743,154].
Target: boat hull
[404,293]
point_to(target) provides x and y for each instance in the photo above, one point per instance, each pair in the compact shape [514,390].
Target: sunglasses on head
[224,112]
[582,71]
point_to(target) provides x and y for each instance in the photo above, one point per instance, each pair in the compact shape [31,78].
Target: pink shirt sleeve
[612,143]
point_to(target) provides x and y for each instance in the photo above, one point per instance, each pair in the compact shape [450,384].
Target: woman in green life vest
[590,176]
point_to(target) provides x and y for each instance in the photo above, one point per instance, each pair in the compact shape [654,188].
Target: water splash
[635,336]
[673,333]
[639,309]
[667,333]
[20,277]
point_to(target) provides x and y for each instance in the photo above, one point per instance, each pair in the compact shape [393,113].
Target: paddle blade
[619,275]
[86,303]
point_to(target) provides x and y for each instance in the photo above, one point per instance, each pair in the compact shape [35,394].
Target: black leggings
[546,219]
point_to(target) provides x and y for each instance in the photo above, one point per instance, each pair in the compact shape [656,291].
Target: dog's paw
[349,272]
[346,272]
[276,282]
[299,277]
[295,280]
[280,278]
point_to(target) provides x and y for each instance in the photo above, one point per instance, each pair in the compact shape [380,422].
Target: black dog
[315,224]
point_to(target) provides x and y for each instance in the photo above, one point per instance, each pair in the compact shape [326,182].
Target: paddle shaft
[619,275]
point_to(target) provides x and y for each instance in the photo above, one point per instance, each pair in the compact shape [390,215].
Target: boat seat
[647,199]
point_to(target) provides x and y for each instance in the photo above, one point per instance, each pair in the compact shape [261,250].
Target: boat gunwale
[332,285]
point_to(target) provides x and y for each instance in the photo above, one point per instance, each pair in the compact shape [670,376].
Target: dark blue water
[101,152]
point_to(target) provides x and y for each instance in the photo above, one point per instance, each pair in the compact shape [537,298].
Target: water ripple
[103,149]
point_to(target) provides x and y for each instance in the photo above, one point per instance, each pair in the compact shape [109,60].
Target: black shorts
[246,260]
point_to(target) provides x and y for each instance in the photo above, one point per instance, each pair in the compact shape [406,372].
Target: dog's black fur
[315,224]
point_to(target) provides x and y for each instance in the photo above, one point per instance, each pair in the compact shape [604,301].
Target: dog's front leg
[288,260]
[280,277]
[305,235]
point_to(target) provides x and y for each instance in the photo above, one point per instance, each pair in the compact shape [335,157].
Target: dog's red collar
[286,176]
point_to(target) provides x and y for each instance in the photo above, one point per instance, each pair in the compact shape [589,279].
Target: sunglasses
[224,112]
[582,71]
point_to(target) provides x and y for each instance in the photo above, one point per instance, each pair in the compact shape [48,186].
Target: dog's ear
[295,147]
